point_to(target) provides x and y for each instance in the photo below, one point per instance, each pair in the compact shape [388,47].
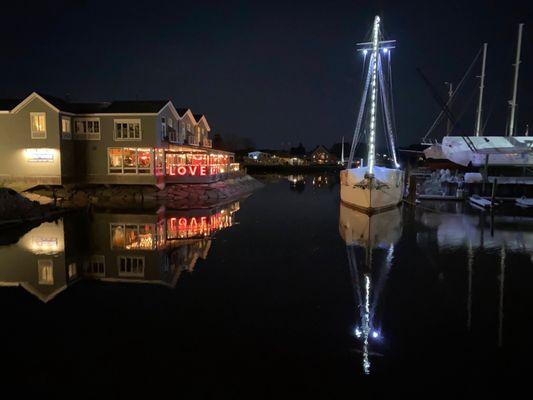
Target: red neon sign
[192,170]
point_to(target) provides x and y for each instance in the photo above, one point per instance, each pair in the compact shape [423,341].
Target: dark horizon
[273,72]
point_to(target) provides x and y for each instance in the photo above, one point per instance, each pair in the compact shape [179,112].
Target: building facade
[47,140]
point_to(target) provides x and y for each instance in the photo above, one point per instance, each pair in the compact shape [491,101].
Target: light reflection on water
[130,247]
[299,289]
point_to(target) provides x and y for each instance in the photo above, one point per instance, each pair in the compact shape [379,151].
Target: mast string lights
[372,139]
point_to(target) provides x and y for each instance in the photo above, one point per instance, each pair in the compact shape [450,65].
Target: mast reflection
[495,235]
[370,248]
[130,247]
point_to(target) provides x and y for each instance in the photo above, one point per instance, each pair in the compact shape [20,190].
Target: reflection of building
[138,248]
[370,247]
[44,261]
[53,141]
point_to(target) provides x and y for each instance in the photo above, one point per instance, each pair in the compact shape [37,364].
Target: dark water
[270,297]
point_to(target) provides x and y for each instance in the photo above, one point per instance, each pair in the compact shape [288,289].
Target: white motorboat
[480,202]
[372,188]
[524,202]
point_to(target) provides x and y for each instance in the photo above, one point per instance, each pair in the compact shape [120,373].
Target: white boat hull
[473,150]
[371,194]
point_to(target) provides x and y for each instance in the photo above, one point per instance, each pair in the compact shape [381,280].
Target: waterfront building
[51,141]
[321,155]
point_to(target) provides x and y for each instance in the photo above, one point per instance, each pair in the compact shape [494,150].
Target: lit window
[130,266]
[38,125]
[126,160]
[87,129]
[133,236]
[115,160]
[170,122]
[46,272]
[72,270]
[66,132]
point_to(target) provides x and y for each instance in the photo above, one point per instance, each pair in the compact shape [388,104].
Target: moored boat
[524,202]
[372,188]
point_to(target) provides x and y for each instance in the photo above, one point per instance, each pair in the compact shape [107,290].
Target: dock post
[493,192]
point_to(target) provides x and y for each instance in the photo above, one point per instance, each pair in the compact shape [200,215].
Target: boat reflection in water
[370,243]
[499,236]
[137,247]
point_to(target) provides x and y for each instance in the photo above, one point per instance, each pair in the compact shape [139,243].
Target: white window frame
[87,135]
[93,260]
[137,228]
[152,161]
[37,134]
[66,134]
[131,274]
[41,266]
[127,121]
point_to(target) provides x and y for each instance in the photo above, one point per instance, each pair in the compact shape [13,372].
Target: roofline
[205,120]
[32,96]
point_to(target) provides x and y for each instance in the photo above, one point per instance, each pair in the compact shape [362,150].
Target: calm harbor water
[284,292]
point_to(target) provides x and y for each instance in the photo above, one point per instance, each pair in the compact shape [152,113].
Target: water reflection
[489,240]
[135,247]
[370,244]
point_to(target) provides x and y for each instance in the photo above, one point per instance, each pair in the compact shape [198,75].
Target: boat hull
[382,191]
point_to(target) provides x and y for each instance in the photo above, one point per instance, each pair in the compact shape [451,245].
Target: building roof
[182,111]
[114,107]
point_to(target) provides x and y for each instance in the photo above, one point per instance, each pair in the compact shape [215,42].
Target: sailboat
[480,150]
[371,188]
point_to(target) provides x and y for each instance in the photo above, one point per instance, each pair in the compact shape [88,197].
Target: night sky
[276,72]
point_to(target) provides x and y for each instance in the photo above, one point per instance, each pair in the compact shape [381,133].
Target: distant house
[48,140]
[321,155]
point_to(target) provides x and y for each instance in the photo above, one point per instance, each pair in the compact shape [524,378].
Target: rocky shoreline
[172,196]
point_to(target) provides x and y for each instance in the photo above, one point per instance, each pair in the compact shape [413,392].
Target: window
[188,126]
[66,132]
[163,128]
[130,266]
[72,270]
[38,125]
[87,129]
[46,272]
[95,266]
[128,129]
[133,236]
[128,160]
[170,122]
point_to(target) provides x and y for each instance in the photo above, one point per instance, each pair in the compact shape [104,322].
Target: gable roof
[114,107]
[183,111]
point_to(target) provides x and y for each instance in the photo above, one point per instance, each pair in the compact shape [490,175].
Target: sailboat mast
[373,97]
[342,151]
[481,86]
[515,81]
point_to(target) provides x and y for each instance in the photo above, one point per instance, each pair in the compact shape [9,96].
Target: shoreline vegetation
[45,203]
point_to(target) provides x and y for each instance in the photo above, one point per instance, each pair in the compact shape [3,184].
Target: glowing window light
[40,155]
